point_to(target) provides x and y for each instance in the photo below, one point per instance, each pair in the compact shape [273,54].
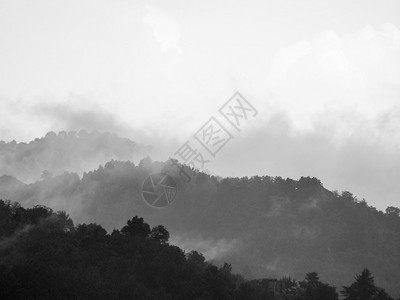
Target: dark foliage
[313,289]
[43,256]
[277,226]
[363,288]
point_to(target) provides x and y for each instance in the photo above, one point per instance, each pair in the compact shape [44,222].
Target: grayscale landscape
[200,150]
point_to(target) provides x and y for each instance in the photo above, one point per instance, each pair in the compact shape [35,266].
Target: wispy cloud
[165,28]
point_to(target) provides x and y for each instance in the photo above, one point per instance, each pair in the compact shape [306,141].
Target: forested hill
[66,151]
[43,255]
[264,226]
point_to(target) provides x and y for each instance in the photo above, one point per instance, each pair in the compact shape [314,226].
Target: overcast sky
[323,75]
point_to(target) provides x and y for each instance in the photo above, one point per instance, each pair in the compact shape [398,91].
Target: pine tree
[362,289]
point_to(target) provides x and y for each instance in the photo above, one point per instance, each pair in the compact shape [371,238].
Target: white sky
[324,75]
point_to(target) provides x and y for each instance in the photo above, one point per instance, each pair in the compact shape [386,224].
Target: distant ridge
[66,151]
[270,225]
[7,181]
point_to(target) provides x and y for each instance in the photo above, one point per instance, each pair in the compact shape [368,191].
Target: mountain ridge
[66,151]
[264,226]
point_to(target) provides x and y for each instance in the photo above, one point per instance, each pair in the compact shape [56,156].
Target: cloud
[67,116]
[353,72]
[77,112]
[9,241]
[346,151]
[212,249]
[165,28]
[332,111]
[286,58]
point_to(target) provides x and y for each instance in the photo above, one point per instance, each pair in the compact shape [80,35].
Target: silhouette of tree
[393,211]
[136,227]
[362,289]
[43,256]
[160,234]
[381,295]
[313,289]
[291,285]
[196,259]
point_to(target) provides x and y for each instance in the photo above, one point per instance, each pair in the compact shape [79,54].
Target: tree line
[43,255]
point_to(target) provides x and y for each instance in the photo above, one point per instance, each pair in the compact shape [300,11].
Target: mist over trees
[43,255]
[265,227]
[66,151]
[364,288]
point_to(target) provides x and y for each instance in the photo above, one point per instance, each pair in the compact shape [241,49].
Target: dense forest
[44,256]
[264,227]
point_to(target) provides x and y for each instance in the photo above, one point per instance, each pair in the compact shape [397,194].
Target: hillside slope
[265,226]
[66,151]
